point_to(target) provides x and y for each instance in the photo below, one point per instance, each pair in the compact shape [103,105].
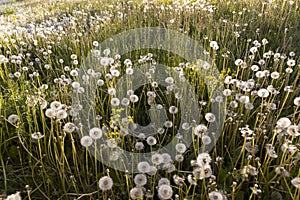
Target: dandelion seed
[192,180]
[165,192]
[105,183]
[185,126]
[75,85]
[86,141]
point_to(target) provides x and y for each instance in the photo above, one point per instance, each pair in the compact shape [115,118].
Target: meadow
[70,106]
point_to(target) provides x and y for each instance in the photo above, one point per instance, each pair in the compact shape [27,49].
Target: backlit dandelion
[165,192]
[210,117]
[69,127]
[95,133]
[105,183]
[140,179]
[136,193]
[86,141]
[143,167]
[263,93]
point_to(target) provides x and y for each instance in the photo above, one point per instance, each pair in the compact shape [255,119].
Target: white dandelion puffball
[284,122]
[86,141]
[105,183]
[115,102]
[163,181]
[37,135]
[13,118]
[15,196]
[206,140]
[151,140]
[136,193]
[50,113]
[263,93]
[215,196]
[143,167]
[69,127]
[165,192]
[61,114]
[200,130]
[180,147]
[56,105]
[156,159]
[210,117]
[95,133]
[296,182]
[140,179]
[297,101]
[139,146]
